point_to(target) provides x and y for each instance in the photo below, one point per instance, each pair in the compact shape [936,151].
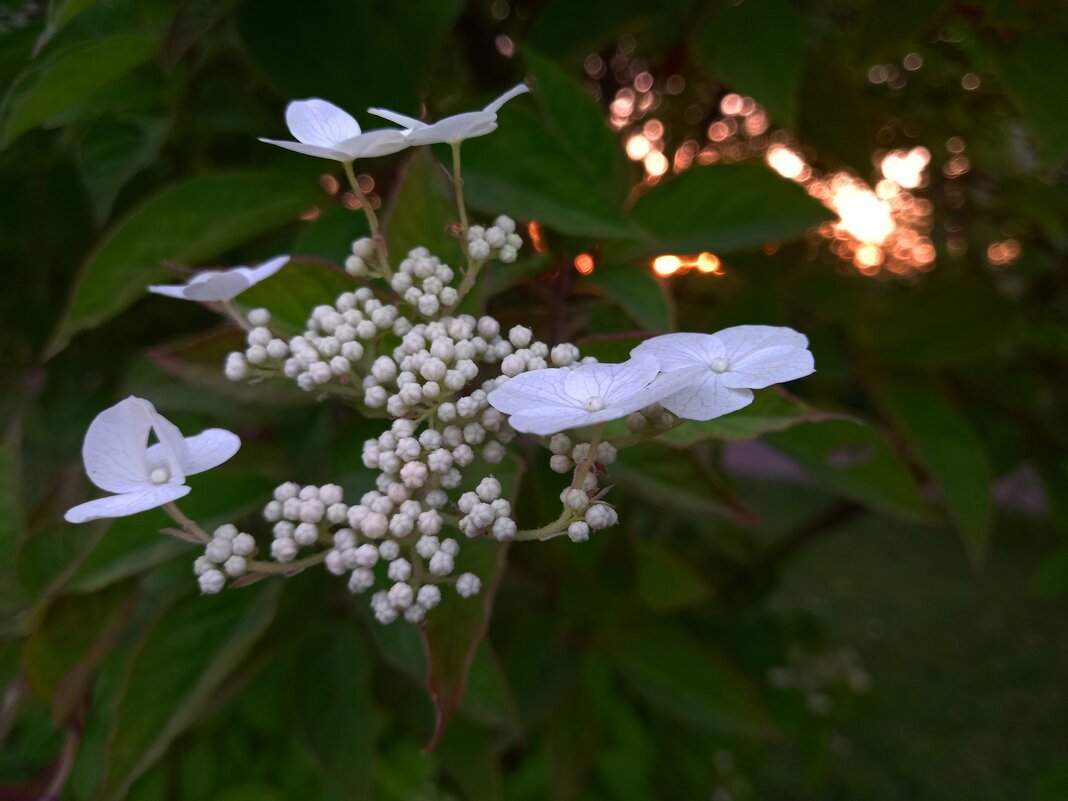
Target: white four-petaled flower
[555,399]
[452,129]
[218,285]
[324,130]
[718,372]
[119,459]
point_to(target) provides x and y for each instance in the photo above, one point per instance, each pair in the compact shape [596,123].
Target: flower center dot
[161,475]
[595,404]
[719,365]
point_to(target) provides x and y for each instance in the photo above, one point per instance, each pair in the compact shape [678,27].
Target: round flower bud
[578,531]
[575,499]
[211,582]
[429,596]
[243,544]
[235,566]
[218,550]
[389,550]
[468,584]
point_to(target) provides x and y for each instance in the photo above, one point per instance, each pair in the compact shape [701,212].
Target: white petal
[316,122]
[215,285]
[706,397]
[263,271]
[680,351]
[411,123]
[170,290]
[308,150]
[545,424]
[380,142]
[741,340]
[210,448]
[515,91]
[612,383]
[173,452]
[768,366]
[127,503]
[455,128]
[539,389]
[115,445]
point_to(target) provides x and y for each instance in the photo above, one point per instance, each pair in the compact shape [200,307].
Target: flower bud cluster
[652,415]
[565,457]
[432,384]
[302,516]
[226,555]
[486,513]
[263,351]
[499,241]
[424,283]
[359,262]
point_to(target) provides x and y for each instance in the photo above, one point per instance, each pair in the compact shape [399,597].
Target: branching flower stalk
[456,389]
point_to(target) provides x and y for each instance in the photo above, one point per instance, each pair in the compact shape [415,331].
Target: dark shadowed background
[856,591]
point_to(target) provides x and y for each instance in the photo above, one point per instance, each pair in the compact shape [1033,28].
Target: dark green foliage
[769,565]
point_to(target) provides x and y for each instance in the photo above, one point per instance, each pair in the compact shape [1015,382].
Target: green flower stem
[372,220]
[276,568]
[591,458]
[458,186]
[547,532]
[189,526]
[235,314]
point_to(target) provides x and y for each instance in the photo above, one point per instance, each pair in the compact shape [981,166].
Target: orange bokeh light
[584,263]
[670,264]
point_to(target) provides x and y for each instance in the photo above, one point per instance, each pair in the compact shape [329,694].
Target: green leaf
[335,710]
[60,12]
[340,51]
[757,48]
[855,460]
[292,292]
[725,208]
[182,660]
[198,360]
[665,582]
[771,410]
[637,292]
[468,754]
[578,122]
[1033,69]
[112,152]
[43,90]
[658,474]
[421,210]
[69,643]
[682,678]
[10,515]
[887,28]
[561,167]
[200,219]
[456,628]
[962,323]
[133,544]
[951,451]
[330,235]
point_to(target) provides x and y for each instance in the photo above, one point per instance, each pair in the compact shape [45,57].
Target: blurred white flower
[220,285]
[556,399]
[452,129]
[724,367]
[324,130]
[119,459]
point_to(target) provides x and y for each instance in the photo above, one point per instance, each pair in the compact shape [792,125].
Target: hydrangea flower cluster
[456,388]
